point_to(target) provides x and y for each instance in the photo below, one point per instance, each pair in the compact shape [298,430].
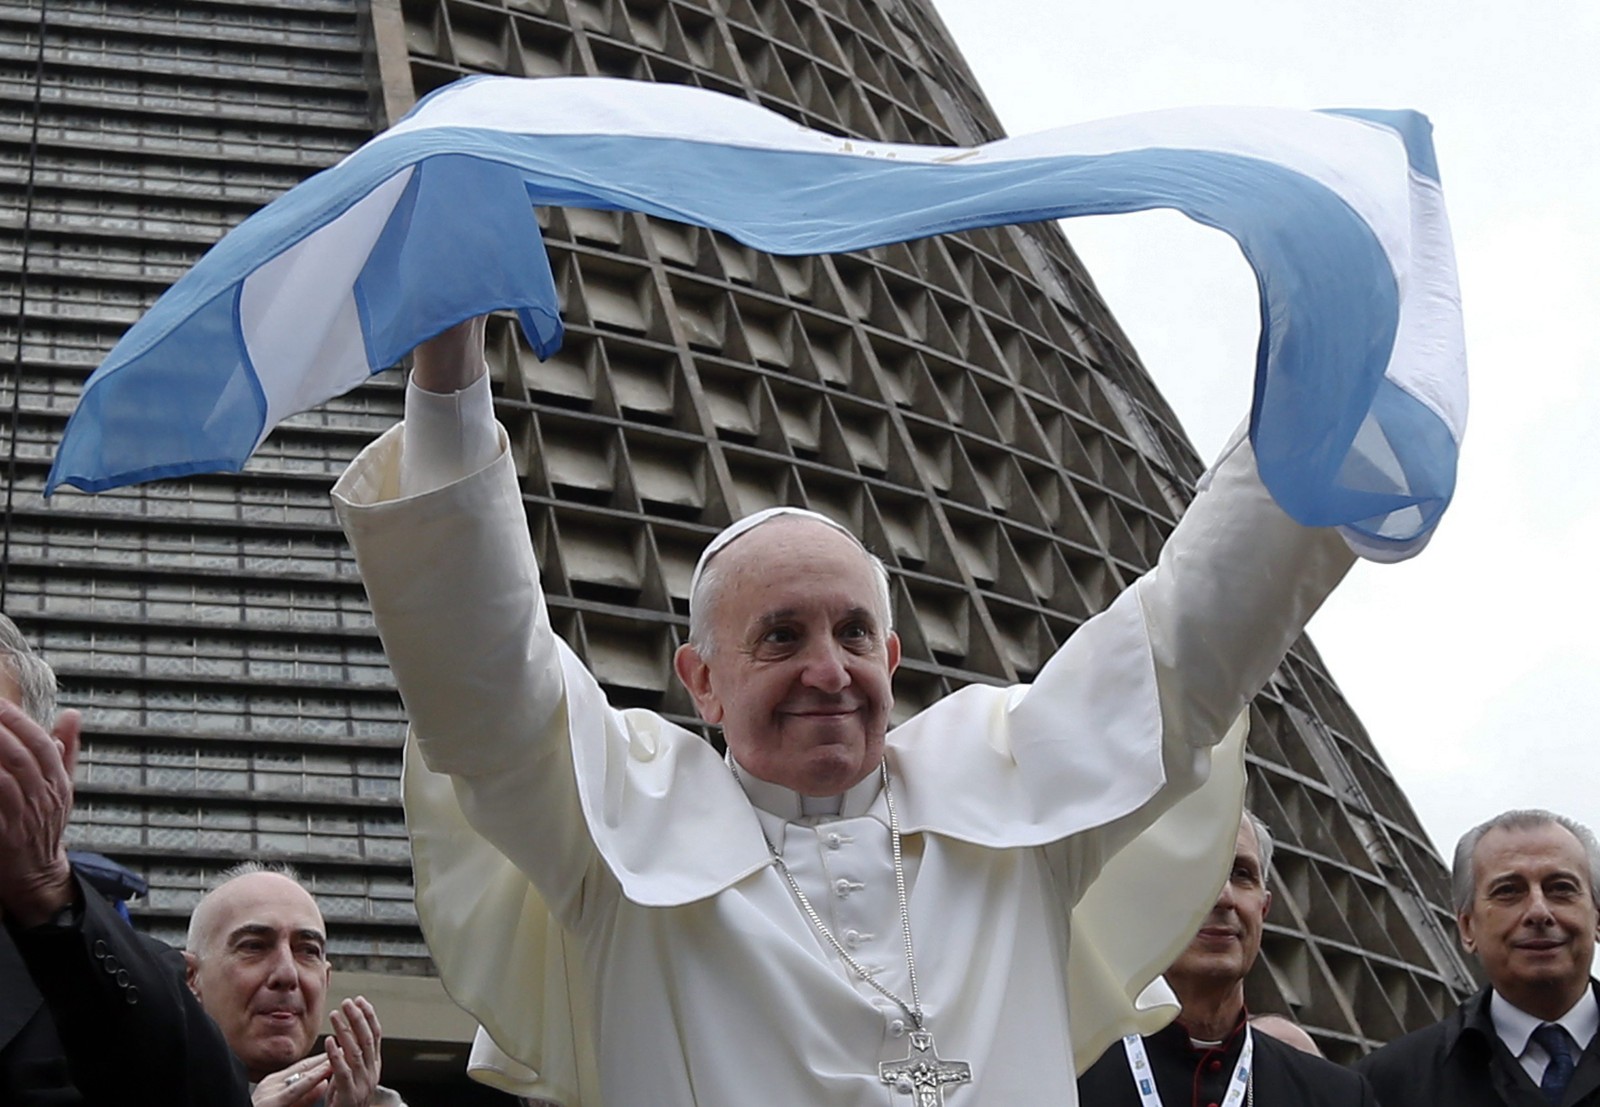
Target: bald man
[257,961]
[1287,1031]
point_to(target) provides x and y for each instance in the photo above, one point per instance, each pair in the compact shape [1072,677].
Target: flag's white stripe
[1430,343]
[298,309]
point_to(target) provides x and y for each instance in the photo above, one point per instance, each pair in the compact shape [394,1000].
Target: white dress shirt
[1515,1028]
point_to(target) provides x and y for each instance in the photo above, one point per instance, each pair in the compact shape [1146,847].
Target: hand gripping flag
[1360,393]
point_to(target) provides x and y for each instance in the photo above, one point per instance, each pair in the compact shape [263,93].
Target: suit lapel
[1586,1078]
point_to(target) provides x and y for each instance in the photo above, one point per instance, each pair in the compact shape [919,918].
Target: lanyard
[1145,1079]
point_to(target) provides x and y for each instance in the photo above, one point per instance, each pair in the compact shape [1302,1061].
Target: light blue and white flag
[1360,391]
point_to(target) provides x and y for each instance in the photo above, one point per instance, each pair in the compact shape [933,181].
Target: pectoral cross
[923,1075]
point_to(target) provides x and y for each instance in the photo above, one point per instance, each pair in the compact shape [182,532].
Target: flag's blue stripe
[1425,450]
[191,405]
[1327,291]
[438,260]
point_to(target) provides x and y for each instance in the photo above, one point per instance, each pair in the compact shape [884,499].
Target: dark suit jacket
[1461,1062]
[98,1014]
[1188,1076]
[33,1068]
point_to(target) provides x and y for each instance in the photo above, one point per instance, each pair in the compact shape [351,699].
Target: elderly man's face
[800,663]
[1229,939]
[1532,920]
[260,969]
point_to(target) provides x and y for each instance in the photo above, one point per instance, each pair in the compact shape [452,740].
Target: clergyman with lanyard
[1210,1057]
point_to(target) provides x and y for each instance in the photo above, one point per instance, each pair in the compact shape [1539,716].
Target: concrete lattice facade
[967,403]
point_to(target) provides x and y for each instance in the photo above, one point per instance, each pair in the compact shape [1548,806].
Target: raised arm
[434,512]
[1235,585]
[1186,646]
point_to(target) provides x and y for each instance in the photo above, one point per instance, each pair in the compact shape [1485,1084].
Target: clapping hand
[35,802]
[300,1085]
[353,1050]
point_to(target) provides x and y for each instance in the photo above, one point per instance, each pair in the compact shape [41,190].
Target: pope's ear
[695,674]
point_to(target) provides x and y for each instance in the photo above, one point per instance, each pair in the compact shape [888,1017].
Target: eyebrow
[784,614]
[1562,874]
[1513,874]
[262,930]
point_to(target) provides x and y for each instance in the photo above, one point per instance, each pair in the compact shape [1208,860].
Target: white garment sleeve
[434,513]
[1234,586]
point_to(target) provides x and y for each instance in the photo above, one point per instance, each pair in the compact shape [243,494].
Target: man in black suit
[1210,1055]
[1525,885]
[90,1012]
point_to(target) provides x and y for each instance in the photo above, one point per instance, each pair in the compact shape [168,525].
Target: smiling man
[257,961]
[792,652]
[1212,1054]
[1527,891]
[833,913]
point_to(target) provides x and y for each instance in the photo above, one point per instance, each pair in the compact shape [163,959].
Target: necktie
[1558,1072]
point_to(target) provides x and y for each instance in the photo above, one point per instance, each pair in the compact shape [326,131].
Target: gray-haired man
[1525,886]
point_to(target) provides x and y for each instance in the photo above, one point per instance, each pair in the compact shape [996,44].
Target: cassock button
[111,964]
[841,887]
[852,938]
[834,841]
[897,1028]
[130,995]
[100,949]
[1214,1065]
[1213,1105]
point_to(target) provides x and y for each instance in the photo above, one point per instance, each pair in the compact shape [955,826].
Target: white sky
[1476,667]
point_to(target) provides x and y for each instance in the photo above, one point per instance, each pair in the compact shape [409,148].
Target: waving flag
[1360,395]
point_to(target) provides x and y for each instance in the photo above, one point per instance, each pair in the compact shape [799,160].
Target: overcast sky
[1476,667]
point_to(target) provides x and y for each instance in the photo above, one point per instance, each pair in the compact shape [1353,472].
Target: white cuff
[448,436]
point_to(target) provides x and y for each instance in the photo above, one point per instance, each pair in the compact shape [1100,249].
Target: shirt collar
[1230,1044]
[1515,1026]
[791,807]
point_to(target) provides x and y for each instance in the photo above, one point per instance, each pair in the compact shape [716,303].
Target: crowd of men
[796,921]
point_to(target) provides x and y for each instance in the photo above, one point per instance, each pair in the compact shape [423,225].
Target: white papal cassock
[594,886]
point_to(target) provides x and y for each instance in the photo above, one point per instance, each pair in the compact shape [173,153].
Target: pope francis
[835,913]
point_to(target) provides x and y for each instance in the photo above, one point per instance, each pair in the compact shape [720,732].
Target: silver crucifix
[923,1075]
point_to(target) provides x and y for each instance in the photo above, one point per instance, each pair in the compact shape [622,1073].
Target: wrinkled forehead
[1528,851]
[733,531]
[265,900]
